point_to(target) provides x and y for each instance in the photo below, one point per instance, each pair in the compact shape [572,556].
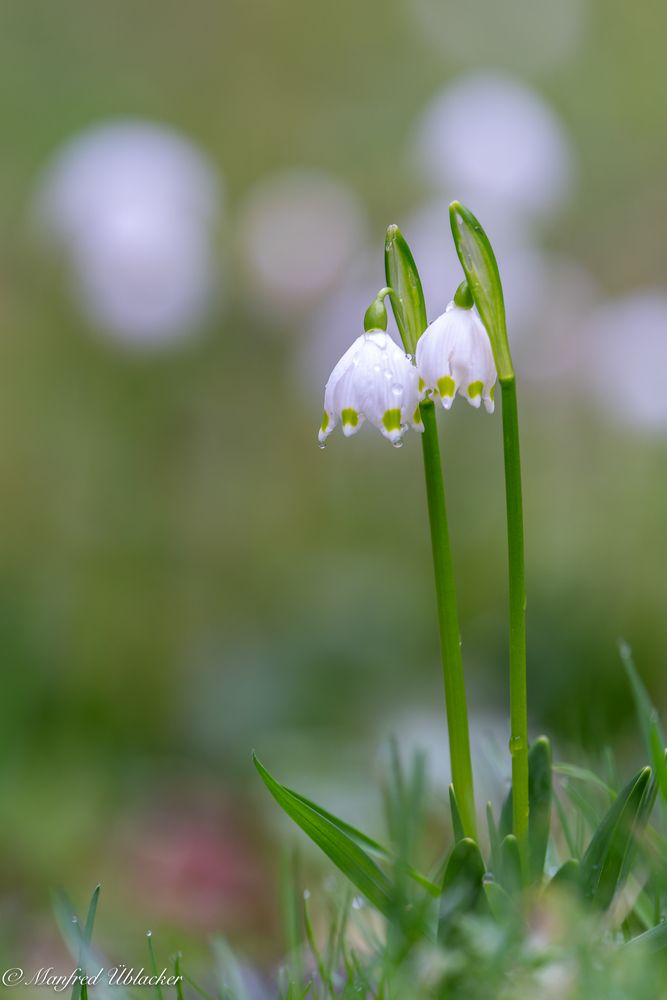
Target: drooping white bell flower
[374,381]
[454,355]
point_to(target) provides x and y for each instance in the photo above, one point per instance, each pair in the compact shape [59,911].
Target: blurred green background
[184,575]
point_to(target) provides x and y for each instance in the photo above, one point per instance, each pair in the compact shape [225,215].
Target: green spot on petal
[325,422]
[446,386]
[392,420]
[422,384]
[349,417]
[475,389]
[492,392]
[417,416]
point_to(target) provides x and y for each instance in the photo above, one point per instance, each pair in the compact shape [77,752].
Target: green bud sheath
[481,270]
[403,277]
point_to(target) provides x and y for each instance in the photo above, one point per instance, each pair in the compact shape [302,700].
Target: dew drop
[398,443]
[516,744]
[396,389]
[321,445]
[358,903]
[306,893]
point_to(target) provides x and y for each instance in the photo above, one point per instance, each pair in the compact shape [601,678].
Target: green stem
[517,601]
[450,640]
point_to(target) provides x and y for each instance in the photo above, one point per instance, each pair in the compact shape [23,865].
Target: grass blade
[509,874]
[462,888]
[335,842]
[153,962]
[603,862]
[539,800]
[649,720]
[457,824]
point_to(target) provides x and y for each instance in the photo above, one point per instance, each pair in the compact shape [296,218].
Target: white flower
[374,381]
[454,355]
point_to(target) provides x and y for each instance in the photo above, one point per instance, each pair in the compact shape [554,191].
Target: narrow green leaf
[68,922]
[643,813]
[457,823]
[539,797]
[462,888]
[199,990]
[364,841]
[494,839]
[654,940]
[649,720]
[153,963]
[345,852]
[481,270]
[178,975]
[567,875]
[403,277]
[572,844]
[90,917]
[357,836]
[315,951]
[539,801]
[585,807]
[500,902]
[603,861]
[509,870]
[229,974]
[583,774]
[77,939]
[86,938]
[290,910]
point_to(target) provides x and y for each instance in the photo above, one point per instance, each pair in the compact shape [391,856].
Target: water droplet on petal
[397,390]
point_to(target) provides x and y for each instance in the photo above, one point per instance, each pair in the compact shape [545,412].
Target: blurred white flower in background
[135,205]
[497,144]
[532,36]
[625,359]
[297,232]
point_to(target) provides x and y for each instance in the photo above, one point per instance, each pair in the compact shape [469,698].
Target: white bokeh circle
[298,230]
[494,141]
[134,205]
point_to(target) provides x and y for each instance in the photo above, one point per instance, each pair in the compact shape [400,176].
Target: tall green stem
[450,640]
[517,601]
